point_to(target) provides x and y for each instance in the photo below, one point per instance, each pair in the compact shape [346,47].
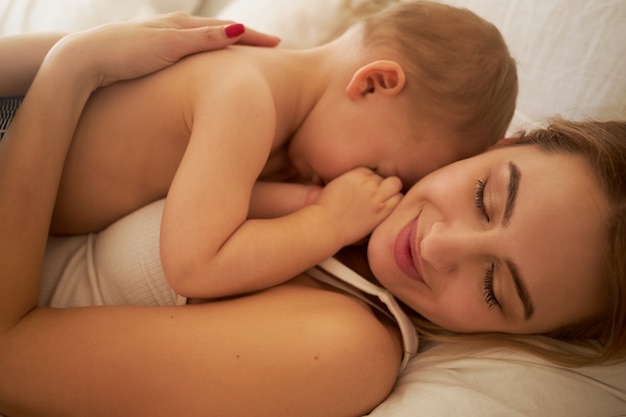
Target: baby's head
[419,86]
[460,79]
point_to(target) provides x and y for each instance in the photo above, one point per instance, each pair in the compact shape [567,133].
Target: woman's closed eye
[490,296]
[479,199]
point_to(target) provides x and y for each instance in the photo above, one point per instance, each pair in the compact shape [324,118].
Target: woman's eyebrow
[521,289]
[514,179]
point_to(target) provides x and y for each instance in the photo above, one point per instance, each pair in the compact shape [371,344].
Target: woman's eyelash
[479,198]
[490,296]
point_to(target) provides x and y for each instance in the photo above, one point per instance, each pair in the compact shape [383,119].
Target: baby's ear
[383,77]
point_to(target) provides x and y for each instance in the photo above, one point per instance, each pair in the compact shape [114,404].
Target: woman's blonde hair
[598,339]
[459,70]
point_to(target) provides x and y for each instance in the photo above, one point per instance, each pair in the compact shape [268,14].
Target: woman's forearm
[32,155]
[21,57]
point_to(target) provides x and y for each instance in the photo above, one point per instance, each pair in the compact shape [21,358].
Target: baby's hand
[358,201]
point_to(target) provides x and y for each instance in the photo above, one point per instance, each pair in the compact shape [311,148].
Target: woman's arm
[31,160]
[293,350]
[21,55]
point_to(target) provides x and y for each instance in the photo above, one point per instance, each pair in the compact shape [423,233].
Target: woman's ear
[383,77]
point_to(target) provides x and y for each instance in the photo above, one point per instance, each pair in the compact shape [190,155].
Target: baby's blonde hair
[459,70]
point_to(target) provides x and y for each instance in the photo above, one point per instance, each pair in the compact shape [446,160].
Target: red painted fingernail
[235,29]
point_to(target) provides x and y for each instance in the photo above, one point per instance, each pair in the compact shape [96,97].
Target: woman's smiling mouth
[406,251]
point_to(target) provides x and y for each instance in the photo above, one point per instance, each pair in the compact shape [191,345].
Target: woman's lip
[406,251]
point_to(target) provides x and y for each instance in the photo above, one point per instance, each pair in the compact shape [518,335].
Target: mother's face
[511,240]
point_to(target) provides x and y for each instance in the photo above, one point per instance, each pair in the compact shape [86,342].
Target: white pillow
[439,383]
[571,55]
[21,16]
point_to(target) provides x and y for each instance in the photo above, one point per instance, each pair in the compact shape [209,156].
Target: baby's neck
[299,78]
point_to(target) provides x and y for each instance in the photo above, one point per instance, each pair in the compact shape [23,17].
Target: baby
[271,160]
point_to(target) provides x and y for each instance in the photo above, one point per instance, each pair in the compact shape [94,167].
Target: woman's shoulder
[333,318]
[341,339]
[340,357]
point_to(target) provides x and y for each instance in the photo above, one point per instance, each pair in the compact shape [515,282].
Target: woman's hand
[177,34]
[126,50]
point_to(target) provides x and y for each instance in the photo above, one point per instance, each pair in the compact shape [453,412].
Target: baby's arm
[276,199]
[210,249]
[263,253]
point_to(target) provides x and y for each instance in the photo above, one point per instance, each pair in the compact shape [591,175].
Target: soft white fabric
[18,16]
[118,266]
[440,383]
[571,55]
[572,61]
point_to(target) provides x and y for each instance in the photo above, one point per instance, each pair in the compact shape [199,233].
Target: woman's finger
[256,38]
[223,32]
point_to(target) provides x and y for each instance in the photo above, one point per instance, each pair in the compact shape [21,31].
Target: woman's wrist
[72,59]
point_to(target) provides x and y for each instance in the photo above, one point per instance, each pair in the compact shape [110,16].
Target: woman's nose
[444,247]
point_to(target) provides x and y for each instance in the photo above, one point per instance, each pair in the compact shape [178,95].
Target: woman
[286,351]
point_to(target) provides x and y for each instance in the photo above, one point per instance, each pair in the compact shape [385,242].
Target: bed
[571,58]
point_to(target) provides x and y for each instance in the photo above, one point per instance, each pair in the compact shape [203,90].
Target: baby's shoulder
[224,67]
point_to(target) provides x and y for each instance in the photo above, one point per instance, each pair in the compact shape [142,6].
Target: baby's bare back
[132,136]
[126,149]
